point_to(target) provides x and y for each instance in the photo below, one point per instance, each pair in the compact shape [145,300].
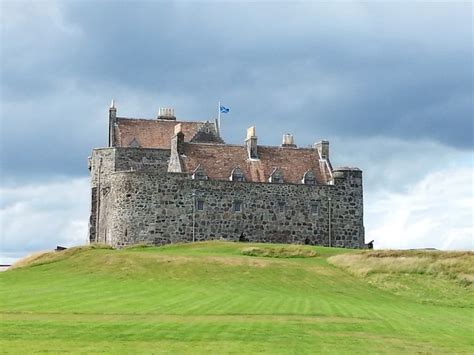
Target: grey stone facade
[136,200]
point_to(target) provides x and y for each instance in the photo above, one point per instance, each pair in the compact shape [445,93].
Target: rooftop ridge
[158,120]
[243,146]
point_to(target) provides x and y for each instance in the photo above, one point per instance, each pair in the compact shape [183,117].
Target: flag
[224,109]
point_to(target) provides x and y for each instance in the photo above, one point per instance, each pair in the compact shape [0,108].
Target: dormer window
[134,143]
[308,178]
[199,174]
[237,175]
[276,176]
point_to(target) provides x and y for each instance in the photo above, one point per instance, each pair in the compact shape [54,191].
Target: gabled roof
[218,161]
[156,133]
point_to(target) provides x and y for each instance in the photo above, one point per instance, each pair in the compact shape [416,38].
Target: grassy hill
[238,298]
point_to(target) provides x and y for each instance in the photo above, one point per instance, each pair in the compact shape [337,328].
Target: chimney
[178,139]
[288,141]
[323,149]
[251,143]
[166,113]
[112,122]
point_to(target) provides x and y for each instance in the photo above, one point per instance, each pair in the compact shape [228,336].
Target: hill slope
[215,297]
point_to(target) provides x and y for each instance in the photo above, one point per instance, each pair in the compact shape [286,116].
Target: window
[199,174]
[200,205]
[308,178]
[276,176]
[237,206]
[237,175]
[315,208]
[281,207]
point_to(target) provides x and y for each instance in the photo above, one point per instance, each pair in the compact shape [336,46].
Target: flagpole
[219,116]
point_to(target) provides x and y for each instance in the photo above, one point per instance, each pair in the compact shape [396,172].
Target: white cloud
[39,217]
[435,212]
[395,164]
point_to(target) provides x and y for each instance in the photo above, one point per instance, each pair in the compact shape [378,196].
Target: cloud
[361,70]
[40,217]
[389,84]
[436,212]
[395,165]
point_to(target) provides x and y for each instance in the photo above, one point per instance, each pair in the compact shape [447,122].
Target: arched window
[237,175]
[276,176]
[308,178]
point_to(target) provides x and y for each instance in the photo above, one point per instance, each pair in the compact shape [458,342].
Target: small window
[308,178]
[199,174]
[276,176]
[237,175]
[200,205]
[281,207]
[315,208]
[237,206]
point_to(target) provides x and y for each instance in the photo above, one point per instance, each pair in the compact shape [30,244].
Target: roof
[218,161]
[148,133]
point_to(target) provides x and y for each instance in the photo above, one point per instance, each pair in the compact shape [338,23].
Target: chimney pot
[288,141]
[166,113]
[251,132]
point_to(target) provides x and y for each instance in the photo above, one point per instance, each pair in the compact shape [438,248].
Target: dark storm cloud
[352,70]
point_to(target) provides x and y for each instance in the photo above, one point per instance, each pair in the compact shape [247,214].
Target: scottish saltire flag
[224,109]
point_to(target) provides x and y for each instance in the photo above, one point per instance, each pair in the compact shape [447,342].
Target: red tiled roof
[151,133]
[218,161]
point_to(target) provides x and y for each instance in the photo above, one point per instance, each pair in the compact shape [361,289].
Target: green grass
[287,251]
[428,276]
[210,297]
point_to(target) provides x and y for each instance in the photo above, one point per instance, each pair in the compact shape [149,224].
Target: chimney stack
[251,143]
[112,122]
[178,139]
[166,113]
[323,149]
[288,141]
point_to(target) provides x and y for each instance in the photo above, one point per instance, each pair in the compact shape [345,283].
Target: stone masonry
[183,191]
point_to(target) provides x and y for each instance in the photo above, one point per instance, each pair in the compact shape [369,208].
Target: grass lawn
[213,297]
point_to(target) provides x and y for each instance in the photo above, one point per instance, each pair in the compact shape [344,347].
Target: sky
[389,84]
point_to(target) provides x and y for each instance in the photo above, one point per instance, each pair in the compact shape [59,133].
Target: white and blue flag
[224,109]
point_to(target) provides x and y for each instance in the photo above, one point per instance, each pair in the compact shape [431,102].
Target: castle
[164,181]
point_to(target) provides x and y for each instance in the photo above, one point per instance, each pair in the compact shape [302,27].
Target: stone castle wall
[138,201]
